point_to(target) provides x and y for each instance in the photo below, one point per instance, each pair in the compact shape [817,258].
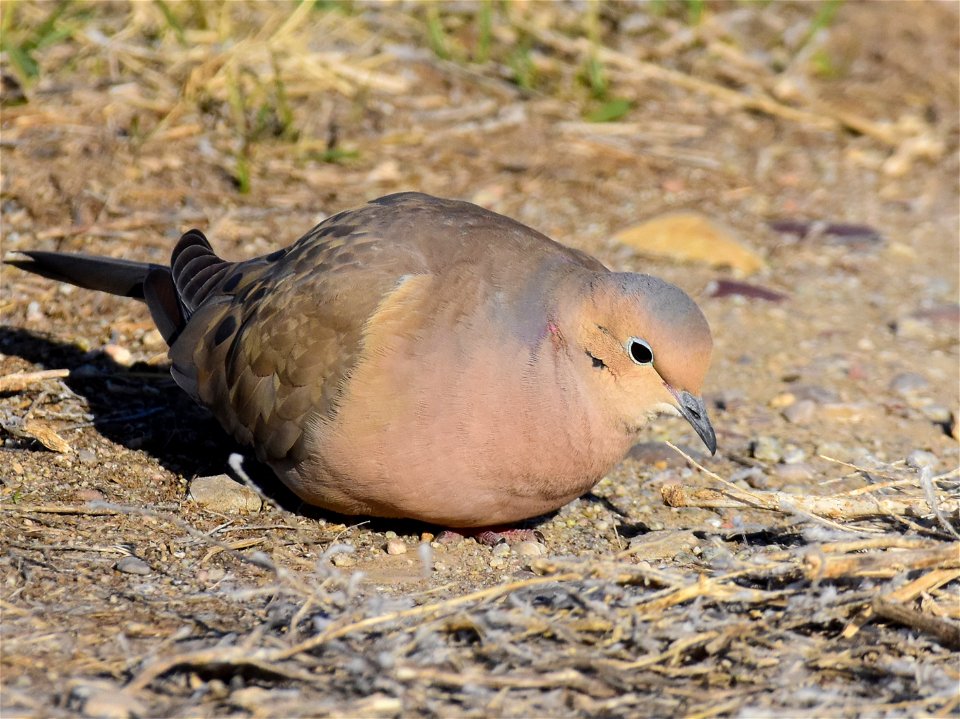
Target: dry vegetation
[812,568]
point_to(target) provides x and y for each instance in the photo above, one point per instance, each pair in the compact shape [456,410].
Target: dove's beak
[693,409]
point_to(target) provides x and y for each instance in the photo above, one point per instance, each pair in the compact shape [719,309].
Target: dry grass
[857,617]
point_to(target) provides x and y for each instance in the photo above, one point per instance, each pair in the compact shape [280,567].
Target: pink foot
[491,537]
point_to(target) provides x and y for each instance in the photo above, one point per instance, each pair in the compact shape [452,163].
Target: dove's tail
[106,274]
[170,302]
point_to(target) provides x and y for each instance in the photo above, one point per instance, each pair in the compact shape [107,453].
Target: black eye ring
[640,352]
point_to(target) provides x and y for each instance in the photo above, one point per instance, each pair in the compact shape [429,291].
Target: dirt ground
[823,135]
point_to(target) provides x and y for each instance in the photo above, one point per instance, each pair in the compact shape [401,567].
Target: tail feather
[117,277]
[165,308]
[172,293]
[196,269]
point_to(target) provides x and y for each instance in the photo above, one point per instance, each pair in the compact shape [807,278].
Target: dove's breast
[469,429]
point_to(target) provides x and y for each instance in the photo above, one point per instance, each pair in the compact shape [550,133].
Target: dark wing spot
[232,283]
[254,291]
[225,329]
[274,256]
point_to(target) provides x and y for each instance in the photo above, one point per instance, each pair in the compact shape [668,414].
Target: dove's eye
[640,351]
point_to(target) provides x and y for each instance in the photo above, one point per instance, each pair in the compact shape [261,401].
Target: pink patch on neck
[555,335]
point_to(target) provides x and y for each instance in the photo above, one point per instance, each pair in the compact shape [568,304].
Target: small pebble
[835,450]
[712,553]
[782,400]
[390,534]
[343,560]
[109,703]
[937,413]
[846,411]
[396,546]
[220,493]
[217,689]
[912,328]
[426,537]
[919,458]
[152,341]
[766,449]
[87,456]
[908,383]
[750,476]
[34,313]
[793,472]
[120,355]
[802,412]
[816,393]
[793,455]
[133,565]
[498,563]
[530,549]
[89,494]
[501,550]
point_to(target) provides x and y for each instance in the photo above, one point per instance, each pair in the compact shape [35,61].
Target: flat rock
[691,237]
[107,702]
[133,565]
[802,412]
[766,449]
[663,544]
[220,493]
[530,549]
[907,383]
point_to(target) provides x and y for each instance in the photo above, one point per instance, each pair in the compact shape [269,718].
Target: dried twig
[817,565]
[832,507]
[19,381]
[234,657]
[421,611]
[945,631]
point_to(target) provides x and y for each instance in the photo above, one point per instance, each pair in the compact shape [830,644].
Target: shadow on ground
[141,408]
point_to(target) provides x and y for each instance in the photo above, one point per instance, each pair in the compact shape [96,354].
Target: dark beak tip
[695,413]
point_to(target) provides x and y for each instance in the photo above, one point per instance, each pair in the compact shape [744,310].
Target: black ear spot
[225,329]
[640,351]
[597,362]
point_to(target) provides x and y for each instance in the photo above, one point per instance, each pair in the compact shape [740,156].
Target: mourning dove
[421,358]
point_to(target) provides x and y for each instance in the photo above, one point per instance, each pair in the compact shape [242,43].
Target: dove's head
[646,347]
